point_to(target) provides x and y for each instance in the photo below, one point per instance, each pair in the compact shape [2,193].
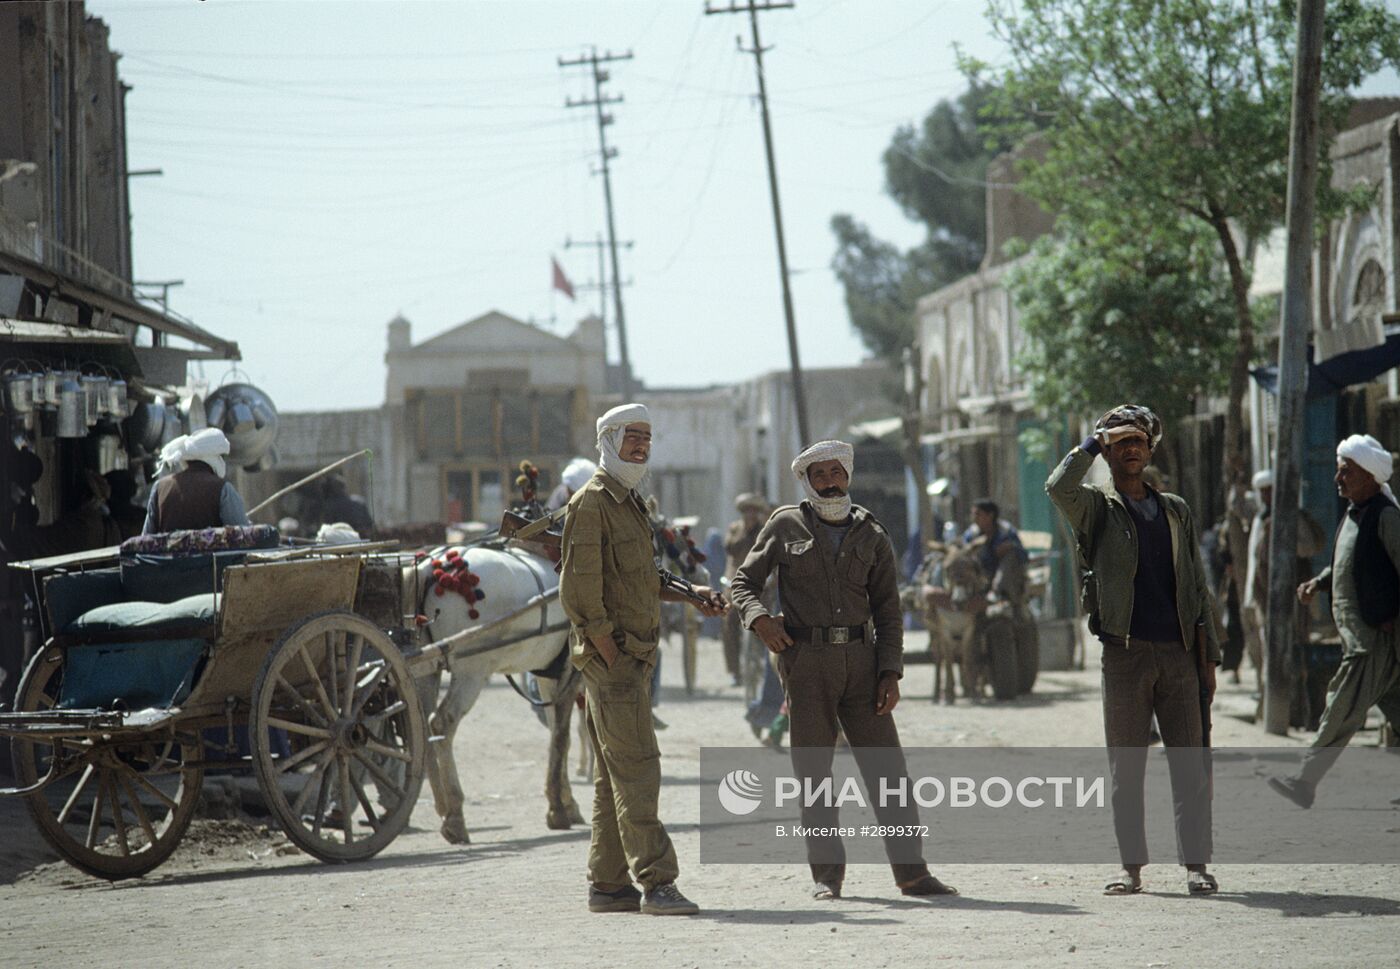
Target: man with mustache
[1364,580]
[839,646]
[1148,601]
[611,590]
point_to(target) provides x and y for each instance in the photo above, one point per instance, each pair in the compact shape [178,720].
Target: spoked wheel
[123,806]
[338,737]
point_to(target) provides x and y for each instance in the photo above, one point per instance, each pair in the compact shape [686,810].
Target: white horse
[508,578]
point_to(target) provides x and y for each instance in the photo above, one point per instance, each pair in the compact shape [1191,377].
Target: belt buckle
[840,635]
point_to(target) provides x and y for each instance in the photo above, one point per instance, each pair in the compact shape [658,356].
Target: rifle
[1202,665]
[676,584]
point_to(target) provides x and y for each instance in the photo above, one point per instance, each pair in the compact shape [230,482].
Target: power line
[599,100]
[799,397]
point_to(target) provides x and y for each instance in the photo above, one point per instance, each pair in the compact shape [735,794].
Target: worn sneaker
[1297,790]
[667,900]
[625,899]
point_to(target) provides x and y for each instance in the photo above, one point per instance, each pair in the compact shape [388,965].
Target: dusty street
[515,897]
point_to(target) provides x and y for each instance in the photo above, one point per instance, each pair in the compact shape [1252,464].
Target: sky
[328,165]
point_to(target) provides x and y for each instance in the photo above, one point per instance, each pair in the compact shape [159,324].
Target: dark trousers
[1140,680]
[831,687]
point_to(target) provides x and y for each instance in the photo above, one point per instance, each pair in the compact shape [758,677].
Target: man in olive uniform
[611,590]
[1148,602]
[738,540]
[1364,580]
[836,575]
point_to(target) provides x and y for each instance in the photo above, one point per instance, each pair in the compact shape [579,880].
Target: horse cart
[296,665]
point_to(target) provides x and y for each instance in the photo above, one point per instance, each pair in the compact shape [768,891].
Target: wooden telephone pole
[799,396]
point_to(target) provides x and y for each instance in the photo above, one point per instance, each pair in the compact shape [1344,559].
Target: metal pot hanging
[72,413]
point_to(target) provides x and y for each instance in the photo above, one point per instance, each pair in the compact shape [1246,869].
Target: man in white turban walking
[839,645]
[611,590]
[1364,580]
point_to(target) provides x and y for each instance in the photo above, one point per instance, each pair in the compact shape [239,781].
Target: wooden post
[1282,653]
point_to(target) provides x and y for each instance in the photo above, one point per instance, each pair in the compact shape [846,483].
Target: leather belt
[830,635]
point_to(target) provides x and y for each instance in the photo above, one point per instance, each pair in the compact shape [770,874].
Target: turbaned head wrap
[1124,420]
[830,509]
[1372,457]
[577,473]
[1262,479]
[208,445]
[610,430]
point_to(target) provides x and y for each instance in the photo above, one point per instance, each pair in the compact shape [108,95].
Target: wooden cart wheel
[123,808]
[338,737]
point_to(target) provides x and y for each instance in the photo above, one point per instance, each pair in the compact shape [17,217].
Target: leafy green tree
[1142,317]
[1155,111]
[935,173]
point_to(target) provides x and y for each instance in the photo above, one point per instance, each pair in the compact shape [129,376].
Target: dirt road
[515,897]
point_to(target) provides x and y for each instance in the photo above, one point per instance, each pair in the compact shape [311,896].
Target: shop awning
[104,303]
[1336,374]
[24,339]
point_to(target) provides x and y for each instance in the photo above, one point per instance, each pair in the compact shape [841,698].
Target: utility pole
[598,101]
[602,285]
[752,8]
[1280,663]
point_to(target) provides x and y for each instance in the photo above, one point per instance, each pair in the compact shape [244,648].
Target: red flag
[561,282]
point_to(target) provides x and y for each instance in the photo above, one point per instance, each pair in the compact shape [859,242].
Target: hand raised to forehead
[1108,435]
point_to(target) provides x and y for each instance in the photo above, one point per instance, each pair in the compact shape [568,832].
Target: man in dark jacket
[1365,587]
[837,584]
[195,495]
[1148,602]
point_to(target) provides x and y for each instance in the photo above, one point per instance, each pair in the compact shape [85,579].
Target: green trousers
[628,838]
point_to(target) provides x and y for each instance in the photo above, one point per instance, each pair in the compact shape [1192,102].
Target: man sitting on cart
[194,494]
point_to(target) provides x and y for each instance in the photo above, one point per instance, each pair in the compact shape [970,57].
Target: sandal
[928,885]
[1124,884]
[822,892]
[1201,883]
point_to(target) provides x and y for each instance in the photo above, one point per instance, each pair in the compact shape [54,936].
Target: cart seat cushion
[173,565]
[193,610]
[202,541]
[68,596]
[136,675]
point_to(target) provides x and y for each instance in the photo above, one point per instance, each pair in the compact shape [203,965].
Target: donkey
[460,587]
[952,611]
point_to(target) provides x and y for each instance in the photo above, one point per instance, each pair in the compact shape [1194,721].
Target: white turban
[577,473]
[830,509]
[208,445]
[1368,453]
[610,429]
[1262,479]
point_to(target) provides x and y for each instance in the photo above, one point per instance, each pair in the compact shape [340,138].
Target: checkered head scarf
[1126,418]
[830,509]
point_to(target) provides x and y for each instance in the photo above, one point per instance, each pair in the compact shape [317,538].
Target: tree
[935,173]
[1163,110]
[1141,318]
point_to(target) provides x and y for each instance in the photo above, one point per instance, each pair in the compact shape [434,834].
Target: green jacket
[1107,540]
